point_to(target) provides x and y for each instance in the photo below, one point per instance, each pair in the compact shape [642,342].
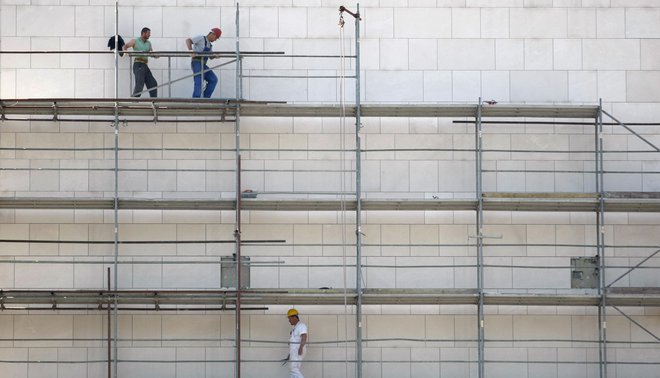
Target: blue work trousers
[209,77]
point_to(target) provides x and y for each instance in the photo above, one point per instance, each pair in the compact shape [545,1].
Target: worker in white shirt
[297,341]
[198,46]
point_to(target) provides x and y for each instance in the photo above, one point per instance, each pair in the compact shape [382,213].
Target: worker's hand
[300,350]
[192,53]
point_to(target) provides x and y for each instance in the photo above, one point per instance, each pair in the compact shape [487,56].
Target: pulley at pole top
[343,9]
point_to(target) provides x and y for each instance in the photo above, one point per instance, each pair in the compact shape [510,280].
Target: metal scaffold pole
[109,328]
[237,230]
[116,189]
[239,60]
[600,242]
[479,238]
[237,236]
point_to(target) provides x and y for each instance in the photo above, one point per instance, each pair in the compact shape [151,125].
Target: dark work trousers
[143,76]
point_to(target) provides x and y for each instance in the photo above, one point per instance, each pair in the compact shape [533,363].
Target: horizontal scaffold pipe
[338,151]
[326,342]
[573,123]
[174,54]
[138,241]
[208,170]
[552,363]
[215,54]
[283,264]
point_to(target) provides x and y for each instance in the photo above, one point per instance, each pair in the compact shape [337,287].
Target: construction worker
[197,45]
[297,341]
[141,70]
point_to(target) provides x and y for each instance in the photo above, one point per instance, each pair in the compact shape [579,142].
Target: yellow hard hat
[292,312]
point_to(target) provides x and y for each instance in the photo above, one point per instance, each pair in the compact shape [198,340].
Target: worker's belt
[141,60]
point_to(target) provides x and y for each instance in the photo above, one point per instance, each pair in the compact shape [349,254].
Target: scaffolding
[121,111]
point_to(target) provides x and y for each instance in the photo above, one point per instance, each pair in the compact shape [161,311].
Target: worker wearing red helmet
[297,341]
[198,47]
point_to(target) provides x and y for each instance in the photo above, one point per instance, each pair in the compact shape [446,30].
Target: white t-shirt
[294,340]
[199,42]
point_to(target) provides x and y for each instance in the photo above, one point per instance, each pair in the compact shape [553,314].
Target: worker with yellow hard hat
[297,341]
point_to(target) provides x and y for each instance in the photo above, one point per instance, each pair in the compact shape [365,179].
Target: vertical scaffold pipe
[237,236]
[600,242]
[239,61]
[169,76]
[237,232]
[480,245]
[109,327]
[116,192]
[358,201]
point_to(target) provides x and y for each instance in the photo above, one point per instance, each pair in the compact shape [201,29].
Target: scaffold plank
[576,202]
[60,299]
[129,107]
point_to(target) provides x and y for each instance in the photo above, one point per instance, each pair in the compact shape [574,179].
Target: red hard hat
[217,32]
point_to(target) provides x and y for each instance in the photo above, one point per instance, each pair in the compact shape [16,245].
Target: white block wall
[520,51]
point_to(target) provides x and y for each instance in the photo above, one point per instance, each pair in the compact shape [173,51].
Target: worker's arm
[130,44]
[189,44]
[303,341]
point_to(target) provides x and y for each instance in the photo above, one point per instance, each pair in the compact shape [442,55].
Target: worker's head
[292,314]
[214,34]
[145,33]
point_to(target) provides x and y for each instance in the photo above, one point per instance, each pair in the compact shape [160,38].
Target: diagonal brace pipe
[186,77]
[631,130]
[633,268]
[638,324]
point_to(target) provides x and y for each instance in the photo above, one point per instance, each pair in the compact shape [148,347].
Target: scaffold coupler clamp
[155,110]
[55,111]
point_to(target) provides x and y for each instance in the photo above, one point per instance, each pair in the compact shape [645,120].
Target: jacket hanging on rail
[120,42]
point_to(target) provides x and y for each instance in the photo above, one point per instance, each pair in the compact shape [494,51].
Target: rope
[342,142]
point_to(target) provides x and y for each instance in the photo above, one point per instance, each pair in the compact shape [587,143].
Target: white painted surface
[521,51]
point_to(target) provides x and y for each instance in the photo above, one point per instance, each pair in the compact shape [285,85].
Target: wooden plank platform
[575,202]
[132,108]
[61,299]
